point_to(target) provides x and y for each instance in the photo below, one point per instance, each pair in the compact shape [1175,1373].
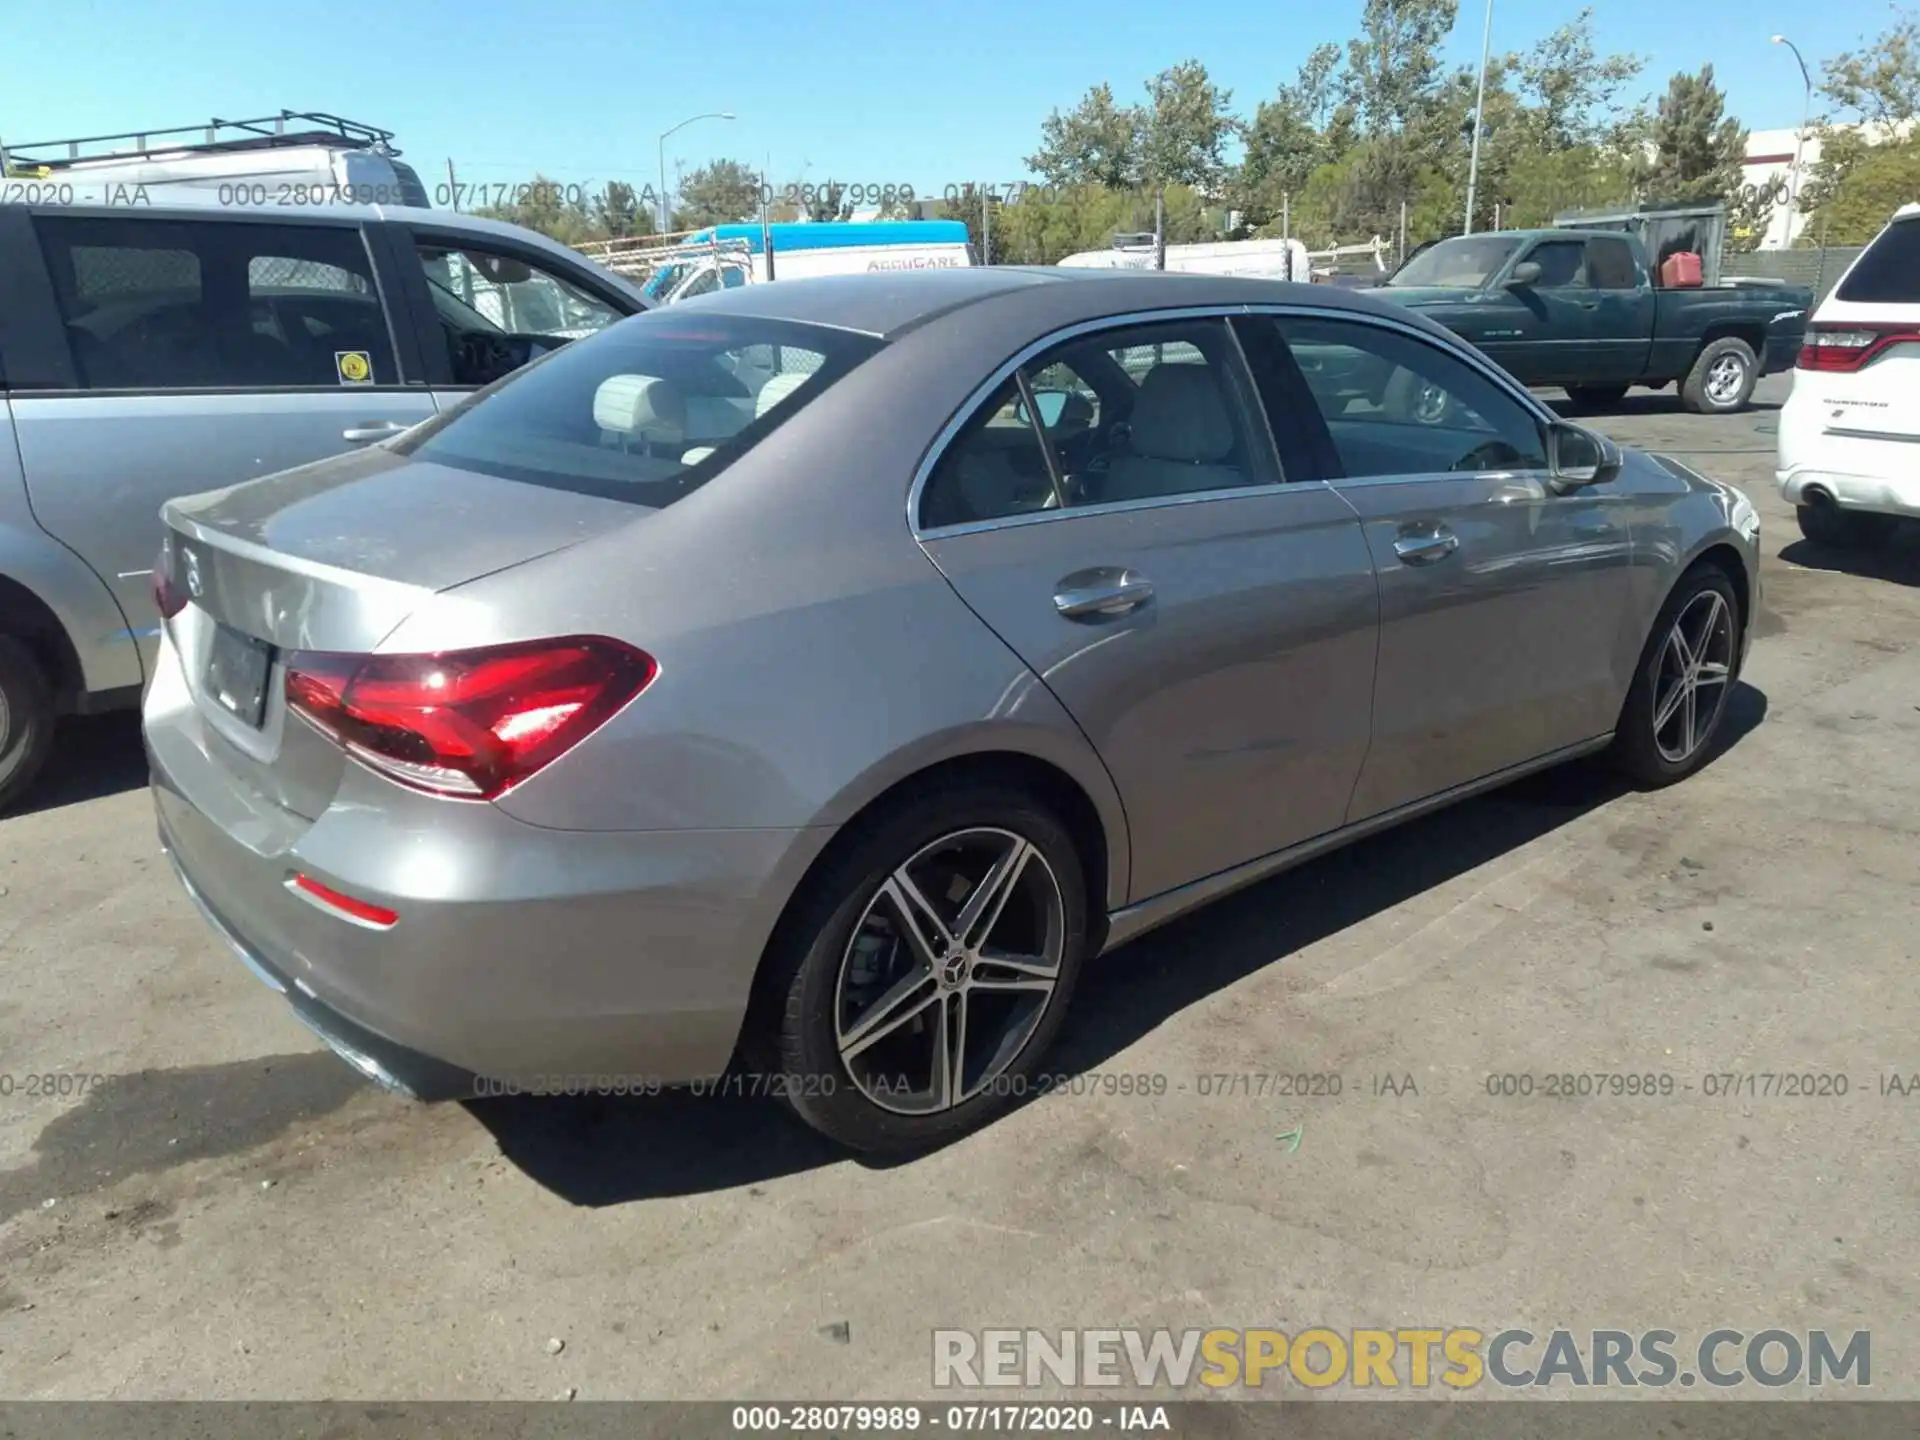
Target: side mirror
[1527,272]
[1580,457]
[1052,405]
[499,269]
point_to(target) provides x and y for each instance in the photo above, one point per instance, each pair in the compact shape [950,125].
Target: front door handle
[1425,549]
[373,430]
[1102,592]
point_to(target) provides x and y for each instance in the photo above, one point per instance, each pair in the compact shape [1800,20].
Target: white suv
[1850,432]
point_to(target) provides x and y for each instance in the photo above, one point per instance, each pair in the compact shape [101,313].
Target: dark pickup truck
[1580,309]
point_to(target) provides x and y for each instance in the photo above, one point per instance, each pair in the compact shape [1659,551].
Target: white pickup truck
[722,257]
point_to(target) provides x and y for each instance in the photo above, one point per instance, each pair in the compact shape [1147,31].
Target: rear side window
[1135,414]
[645,411]
[1889,272]
[183,304]
[1610,265]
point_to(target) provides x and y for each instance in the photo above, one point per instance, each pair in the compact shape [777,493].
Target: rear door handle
[1425,549]
[1105,592]
[373,430]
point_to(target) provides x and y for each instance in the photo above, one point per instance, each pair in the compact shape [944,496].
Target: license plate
[237,669]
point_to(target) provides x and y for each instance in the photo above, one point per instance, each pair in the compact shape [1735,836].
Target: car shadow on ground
[1644,403]
[1896,561]
[604,1151]
[93,756]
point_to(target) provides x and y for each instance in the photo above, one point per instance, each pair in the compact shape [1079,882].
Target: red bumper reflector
[331,899]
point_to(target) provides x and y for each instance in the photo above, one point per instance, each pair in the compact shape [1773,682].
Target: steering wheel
[486,357]
[1490,455]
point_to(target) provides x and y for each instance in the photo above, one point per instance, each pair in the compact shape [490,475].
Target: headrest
[642,406]
[1179,416]
[778,388]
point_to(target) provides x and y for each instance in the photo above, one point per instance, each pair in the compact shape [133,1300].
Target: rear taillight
[1850,347]
[169,598]
[467,723]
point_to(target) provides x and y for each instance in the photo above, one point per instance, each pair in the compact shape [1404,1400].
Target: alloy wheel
[1724,379]
[1694,672]
[949,972]
[1430,403]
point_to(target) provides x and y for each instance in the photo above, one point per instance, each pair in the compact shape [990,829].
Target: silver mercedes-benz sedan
[803,682]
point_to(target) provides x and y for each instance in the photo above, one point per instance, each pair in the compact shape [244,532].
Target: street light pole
[710,115]
[1799,136]
[1479,117]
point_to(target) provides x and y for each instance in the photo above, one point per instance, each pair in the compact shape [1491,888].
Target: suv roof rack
[266,133]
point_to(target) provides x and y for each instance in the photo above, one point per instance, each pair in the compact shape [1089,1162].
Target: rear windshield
[648,410]
[1889,273]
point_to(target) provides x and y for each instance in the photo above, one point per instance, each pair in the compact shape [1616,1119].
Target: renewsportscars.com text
[1456,1357]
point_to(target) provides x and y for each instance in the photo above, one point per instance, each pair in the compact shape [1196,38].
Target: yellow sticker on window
[355,367]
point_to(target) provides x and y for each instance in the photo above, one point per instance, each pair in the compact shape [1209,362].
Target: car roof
[889,305]
[449,220]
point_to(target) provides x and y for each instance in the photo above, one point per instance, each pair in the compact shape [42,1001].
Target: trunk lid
[333,557]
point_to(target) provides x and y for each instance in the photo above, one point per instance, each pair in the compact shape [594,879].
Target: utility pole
[766,225]
[986,224]
[1479,117]
[710,115]
[1160,228]
[1799,137]
[453,185]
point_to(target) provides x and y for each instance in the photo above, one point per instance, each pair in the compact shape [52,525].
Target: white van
[1849,448]
[1258,259]
[722,257]
[300,158]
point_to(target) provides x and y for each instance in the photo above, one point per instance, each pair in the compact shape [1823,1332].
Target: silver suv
[149,352]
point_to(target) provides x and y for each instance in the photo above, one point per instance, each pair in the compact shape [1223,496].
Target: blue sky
[875,93]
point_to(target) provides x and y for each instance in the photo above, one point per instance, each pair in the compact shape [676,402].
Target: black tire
[1637,750]
[26,720]
[1596,397]
[807,956]
[1827,524]
[1704,393]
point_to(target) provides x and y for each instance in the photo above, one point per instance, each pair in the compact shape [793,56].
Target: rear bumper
[1892,492]
[522,956]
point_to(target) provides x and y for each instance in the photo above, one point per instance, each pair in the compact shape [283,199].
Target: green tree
[618,213]
[1698,147]
[723,193]
[1393,67]
[1857,186]
[984,213]
[1188,122]
[1289,138]
[1572,91]
[1881,80]
[551,208]
[1543,183]
[1095,143]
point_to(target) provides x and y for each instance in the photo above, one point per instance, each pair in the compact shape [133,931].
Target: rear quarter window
[1889,272]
